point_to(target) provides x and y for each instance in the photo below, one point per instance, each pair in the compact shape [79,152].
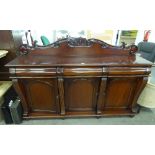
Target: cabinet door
[81,94]
[42,95]
[120,92]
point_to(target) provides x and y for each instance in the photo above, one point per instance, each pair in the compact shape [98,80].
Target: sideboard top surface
[47,60]
[98,54]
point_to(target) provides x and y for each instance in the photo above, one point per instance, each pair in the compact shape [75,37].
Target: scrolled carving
[133,49]
[102,43]
[59,42]
[23,49]
[78,42]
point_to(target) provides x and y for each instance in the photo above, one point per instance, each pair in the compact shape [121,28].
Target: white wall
[140,36]
[152,36]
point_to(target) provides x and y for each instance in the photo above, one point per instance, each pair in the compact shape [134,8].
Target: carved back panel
[89,45]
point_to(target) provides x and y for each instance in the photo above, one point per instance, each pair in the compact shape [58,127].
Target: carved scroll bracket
[61,90]
[61,95]
[18,87]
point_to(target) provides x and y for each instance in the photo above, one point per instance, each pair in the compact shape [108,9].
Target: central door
[81,94]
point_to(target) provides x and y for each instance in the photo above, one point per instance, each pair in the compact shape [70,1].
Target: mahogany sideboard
[76,77]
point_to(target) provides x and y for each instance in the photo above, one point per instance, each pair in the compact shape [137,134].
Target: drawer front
[73,71]
[128,71]
[34,72]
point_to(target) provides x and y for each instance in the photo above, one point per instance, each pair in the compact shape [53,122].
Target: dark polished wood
[61,95]
[41,95]
[79,78]
[101,94]
[81,94]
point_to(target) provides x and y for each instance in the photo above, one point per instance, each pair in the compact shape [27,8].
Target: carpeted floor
[145,117]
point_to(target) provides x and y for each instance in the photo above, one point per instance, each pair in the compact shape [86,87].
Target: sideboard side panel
[141,83]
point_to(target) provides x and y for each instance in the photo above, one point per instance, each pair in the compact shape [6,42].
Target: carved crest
[78,42]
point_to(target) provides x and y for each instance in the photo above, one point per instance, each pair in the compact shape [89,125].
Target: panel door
[42,95]
[81,94]
[120,92]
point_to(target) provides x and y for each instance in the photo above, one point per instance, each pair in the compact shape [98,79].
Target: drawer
[129,71]
[83,71]
[32,72]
